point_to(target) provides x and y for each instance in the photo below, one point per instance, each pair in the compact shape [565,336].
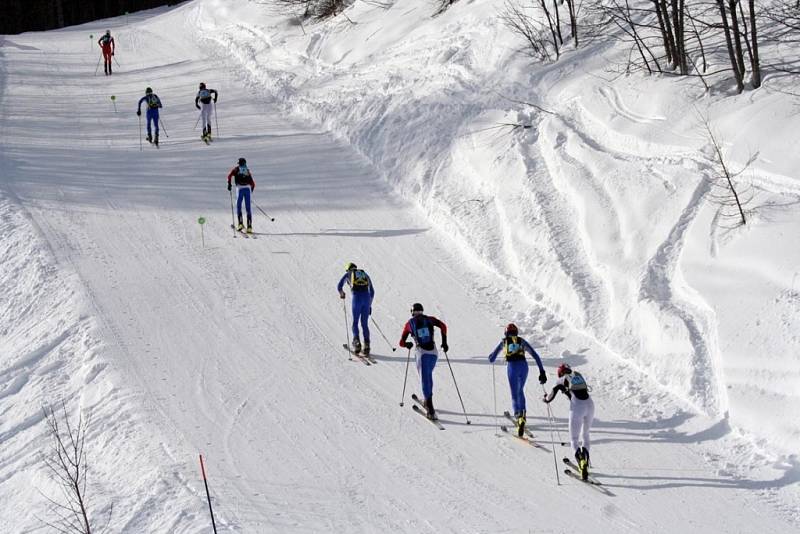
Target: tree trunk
[737,36]
[737,74]
[756,66]
[558,22]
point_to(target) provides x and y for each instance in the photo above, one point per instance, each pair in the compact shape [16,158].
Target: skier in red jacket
[106,43]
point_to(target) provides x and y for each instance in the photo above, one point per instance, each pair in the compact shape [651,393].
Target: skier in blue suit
[514,348]
[153,105]
[363,292]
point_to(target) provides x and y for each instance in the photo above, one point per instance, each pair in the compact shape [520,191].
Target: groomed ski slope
[234,350]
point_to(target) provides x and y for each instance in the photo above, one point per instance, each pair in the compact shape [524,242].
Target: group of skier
[420,328]
[205,101]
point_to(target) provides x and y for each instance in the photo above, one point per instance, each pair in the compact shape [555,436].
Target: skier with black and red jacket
[420,328]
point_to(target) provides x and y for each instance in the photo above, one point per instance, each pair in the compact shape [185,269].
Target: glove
[341,294]
[542,378]
[370,311]
[444,346]
[198,107]
[229,188]
[139,112]
[544,399]
[215,100]
[112,53]
[408,345]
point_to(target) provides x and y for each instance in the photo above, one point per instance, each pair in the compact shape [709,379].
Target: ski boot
[249,225]
[521,424]
[357,346]
[155,140]
[249,229]
[366,347]
[149,138]
[582,458]
[430,412]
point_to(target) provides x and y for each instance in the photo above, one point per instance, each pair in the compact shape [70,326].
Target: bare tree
[725,179]
[519,20]
[67,465]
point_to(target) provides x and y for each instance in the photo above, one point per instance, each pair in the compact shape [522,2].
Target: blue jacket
[357,293]
[525,345]
[152,101]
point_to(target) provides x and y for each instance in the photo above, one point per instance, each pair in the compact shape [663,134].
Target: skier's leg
[155,119]
[428,363]
[356,309]
[523,377]
[588,417]
[512,386]
[365,320]
[574,425]
[239,197]
[247,206]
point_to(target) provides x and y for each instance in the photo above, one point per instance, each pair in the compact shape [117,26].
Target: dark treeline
[17,16]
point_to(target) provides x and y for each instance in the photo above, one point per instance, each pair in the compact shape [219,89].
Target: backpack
[514,349]
[577,382]
[359,281]
[152,101]
[422,330]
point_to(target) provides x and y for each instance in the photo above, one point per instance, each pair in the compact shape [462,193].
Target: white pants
[205,114]
[581,414]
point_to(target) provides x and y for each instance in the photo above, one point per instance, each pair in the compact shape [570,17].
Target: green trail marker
[114,101]
[91,44]
[201,221]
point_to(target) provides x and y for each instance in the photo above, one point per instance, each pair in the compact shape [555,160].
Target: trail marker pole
[201,221]
[208,495]
[114,101]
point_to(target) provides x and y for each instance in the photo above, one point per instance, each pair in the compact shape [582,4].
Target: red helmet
[512,330]
[563,369]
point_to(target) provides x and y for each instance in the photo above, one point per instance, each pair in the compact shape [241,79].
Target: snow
[593,228]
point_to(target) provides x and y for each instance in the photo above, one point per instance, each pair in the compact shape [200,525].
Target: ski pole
[494,394]
[346,331]
[457,391]
[382,334]
[405,380]
[197,121]
[558,433]
[233,221]
[208,495]
[162,126]
[140,133]
[98,65]
[216,121]
[117,62]
[264,212]
[552,441]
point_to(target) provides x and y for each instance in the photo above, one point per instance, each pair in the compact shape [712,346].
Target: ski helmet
[511,329]
[242,161]
[202,85]
[350,266]
[148,91]
[563,369]
[416,308]
[108,32]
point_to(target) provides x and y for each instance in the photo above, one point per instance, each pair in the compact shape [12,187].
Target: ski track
[179,349]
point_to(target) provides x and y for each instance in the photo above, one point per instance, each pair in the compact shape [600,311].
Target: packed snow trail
[234,350]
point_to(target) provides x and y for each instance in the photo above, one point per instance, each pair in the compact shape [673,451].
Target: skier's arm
[371,290]
[252,182]
[340,285]
[534,354]
[196,100]
[139,107]
[558,387]
[495,352]
[404,337]
[113,46]
[216,95]
[443,329]
[158,100]
[231,175]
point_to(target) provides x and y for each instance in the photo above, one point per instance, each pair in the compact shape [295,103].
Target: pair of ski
[527,437]
[420,408]
[366,359]
[244,233]
[207,139]
[575,472]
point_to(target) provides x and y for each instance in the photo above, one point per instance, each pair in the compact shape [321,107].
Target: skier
[420,327]
[245,185]
[106,44]
[581,412]
[363,292]
[153,105]
[204,98]
[514,348]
